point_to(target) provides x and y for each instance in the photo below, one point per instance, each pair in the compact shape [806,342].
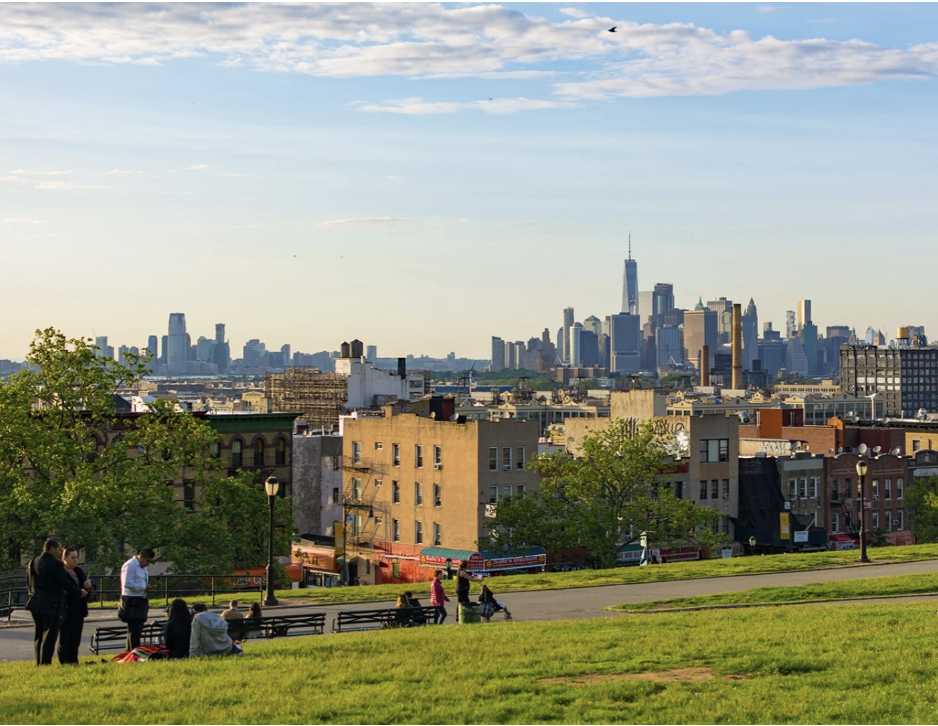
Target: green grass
[853,664]
[633,575]
[871,587]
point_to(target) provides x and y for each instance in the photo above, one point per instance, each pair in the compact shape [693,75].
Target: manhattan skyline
[421,176]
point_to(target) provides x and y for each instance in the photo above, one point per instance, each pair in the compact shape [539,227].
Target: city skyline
[289,184]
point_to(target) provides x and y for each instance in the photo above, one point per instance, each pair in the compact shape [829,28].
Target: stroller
[490,606]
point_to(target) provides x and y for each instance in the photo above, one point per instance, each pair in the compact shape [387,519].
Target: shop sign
[476,562]
[501,563]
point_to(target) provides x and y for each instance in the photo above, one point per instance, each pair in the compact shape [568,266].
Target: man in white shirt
[134,605]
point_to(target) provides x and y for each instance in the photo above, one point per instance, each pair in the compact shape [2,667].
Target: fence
[106,589]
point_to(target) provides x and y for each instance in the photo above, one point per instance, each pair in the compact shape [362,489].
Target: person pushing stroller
[490,605]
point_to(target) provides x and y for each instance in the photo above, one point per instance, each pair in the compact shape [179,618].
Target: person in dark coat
[178,630]
[76,609]
[48,584]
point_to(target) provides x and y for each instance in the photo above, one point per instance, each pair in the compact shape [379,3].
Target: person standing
[463,578]
[48,585]
[134,605]
[76,609]
[438,598]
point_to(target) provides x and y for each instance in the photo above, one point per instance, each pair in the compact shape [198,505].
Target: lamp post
[271,486]
[752,546]
[861,518]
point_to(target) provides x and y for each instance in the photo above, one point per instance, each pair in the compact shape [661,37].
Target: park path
[584,602]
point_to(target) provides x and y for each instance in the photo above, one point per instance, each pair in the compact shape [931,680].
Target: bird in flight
[613,28]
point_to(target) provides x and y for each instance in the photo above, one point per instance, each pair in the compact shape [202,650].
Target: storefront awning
[483,561]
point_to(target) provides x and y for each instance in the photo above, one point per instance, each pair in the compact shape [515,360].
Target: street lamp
[861,517]
[271,486]
[752,545]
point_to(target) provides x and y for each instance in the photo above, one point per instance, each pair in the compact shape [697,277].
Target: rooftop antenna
[630,244]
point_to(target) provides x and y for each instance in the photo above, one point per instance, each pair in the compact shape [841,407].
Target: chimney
[402,367]
[737,347]
[705,365]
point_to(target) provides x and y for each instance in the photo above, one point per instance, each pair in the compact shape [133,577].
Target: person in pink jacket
[438,597]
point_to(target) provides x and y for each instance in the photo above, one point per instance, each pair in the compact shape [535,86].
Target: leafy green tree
[922,504]
[70,465]
[603,499]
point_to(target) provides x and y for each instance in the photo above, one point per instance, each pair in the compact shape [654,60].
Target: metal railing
[106,591]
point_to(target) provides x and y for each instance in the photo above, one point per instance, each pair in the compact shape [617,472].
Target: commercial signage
[801,537]
[665,554]
[338,529]
[477,562]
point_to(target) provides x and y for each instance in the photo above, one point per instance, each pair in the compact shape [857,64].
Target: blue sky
[424,177]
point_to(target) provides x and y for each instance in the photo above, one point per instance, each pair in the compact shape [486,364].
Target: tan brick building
[413,482]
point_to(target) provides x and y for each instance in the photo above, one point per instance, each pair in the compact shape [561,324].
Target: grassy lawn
[853,664]
[864,588]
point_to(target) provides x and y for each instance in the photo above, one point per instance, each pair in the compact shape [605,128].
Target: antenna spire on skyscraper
[630,244]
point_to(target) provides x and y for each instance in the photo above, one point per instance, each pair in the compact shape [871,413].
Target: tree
[70,465]
[603,499]
[922,506]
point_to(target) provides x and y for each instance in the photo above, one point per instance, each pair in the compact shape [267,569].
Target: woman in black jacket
[178,629]
[76,609]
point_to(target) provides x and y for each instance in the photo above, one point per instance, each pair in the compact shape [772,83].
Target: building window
[188,496]
[437,457]
[418,494]
[335,495]
[835,523]
[437,534]
[899,488]
[875,520]
[725,483]
[792,488]
[418,456]
[506,490]
[379,482]
[395,492]
[714,488]
[804,489]
[395,454]
[725,525]
[520,490]
[214,450]
[814,483]
[714,450]
[356,488]
[678,489]
[236,453]
[703,490]
[900,518]
[418,532]
[519,460]
[493,495]
[379,446]
[493,458]
[916,444]
[396,566]
[506,458]
[437,496]
[876,489]
[835,492]
[356,452]
[395,530]
[888,489]
[888,521]
[259,452]
[280,453]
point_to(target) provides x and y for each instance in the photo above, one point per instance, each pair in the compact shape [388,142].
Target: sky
[422,177]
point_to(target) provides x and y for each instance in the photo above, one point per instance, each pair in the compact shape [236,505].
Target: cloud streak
[430,41]
[366,223]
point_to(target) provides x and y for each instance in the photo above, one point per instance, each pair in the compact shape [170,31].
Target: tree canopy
[72,466]
[619,486]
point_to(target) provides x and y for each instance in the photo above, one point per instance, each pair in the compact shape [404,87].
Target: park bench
[277,626]
[349,620]
[115,638]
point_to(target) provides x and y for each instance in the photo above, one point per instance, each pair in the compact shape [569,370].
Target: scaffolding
[319,396]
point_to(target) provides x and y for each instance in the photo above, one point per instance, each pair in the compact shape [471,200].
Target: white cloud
[69,186]
[366,222]
[23,220]
[418,107]
[391,178]
[432,41]
[198,167]
[24,172]
[243,226]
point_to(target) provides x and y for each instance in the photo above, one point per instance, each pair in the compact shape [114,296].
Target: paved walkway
[585,602]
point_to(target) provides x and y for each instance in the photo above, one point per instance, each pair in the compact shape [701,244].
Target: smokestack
[402,367]
[737,347]
[705,365]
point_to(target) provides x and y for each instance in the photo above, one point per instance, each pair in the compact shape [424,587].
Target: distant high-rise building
[646,306]
[870,336]
[795,359]
[221,350]
[177,351]
[576,354]
[101,343]
[152,349]
[589,348]
[625,343]
[252,353]
[791,324]
[567,326]
[511,355]
[561,352]
[669,340]
[700,329]
[498,354]
[593,324]
[809,343]
[662,302]
[164,348]
[750,335]
[724,310]
[371,353]
[804,313]
[205,349]
[630,284]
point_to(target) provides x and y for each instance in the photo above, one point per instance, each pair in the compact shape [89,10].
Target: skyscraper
[791,326]
[371,353]
[750,335]
[700,329]
[101,343]
[625,349]
[630,284]
[151,349]
[498,354]
[177,350]
[724,310]
[576,353]
[222,354]
[804,313]
[663,301]
[567,325]
[646,306]
[593,324]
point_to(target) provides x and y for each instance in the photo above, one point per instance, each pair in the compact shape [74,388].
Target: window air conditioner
[437,466]
[895,523]
[726,495]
